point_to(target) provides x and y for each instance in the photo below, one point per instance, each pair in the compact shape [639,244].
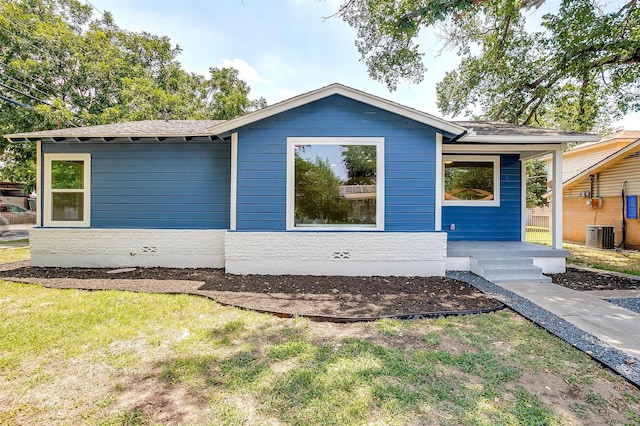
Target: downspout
[624,220]
[458,137]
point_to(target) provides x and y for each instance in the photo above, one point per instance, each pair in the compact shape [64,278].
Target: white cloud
[245,71]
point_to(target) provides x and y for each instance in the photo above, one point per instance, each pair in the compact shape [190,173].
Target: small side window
[67,193]
[471,180]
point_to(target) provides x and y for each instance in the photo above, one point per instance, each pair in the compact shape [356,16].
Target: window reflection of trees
[469,181]
[335,184]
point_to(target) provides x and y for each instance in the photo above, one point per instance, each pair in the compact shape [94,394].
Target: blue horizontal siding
[490,223]
[167,185]
[134,193]
[409,162]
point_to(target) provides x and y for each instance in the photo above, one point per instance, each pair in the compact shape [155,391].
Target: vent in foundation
[342,255]
[149,249]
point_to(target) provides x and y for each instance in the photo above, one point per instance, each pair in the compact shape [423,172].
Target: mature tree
[536,182]
[318,192]
[61,67]
[580,71]
[360,161]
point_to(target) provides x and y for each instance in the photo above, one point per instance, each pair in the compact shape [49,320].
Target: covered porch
[526,143]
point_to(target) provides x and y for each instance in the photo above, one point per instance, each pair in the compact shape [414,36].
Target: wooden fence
[538,225]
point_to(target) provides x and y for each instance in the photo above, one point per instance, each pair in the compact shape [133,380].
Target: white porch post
[39,194]
[523,200]
[556,202]
[234,181]
[439,185]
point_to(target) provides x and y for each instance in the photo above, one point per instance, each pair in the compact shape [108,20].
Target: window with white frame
[67,190]
[471,180]
[335,183]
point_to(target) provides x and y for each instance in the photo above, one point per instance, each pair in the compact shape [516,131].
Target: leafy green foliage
[469,180]
[579,72]
[318,192]
[67,174]
[536,183]
[60,67]
[361,164]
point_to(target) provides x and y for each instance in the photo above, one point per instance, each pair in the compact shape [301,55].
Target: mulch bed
[319,297]
[314,296]
[587,280]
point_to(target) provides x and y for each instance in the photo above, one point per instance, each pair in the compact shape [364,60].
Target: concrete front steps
[508,269]
[506,261]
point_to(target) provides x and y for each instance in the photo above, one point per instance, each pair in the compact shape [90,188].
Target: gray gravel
[613,358]
[630,304]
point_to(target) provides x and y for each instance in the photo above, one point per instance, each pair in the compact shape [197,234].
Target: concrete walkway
[607,332]
[610,323]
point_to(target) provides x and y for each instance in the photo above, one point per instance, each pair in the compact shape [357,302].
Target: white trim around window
[495,159]
[49,192]
[293,142]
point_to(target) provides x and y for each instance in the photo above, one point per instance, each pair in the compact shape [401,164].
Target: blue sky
[282,48]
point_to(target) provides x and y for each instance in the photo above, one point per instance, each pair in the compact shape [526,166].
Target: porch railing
[538,225]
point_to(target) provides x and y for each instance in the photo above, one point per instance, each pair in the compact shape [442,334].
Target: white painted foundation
[336,253]
[296,253]
[551,265]
[460,263]
[127,247]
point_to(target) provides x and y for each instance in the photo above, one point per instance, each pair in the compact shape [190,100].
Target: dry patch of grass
[14,254]
[112,358]
[627,261]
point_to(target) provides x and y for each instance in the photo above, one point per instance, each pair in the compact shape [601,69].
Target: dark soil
[332,296]
[585,280]
[313,296]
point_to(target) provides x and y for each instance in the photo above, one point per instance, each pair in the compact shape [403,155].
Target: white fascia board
[337,89]
[511,139]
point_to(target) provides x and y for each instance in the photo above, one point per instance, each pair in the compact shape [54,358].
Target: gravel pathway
[613,358]
[627,303]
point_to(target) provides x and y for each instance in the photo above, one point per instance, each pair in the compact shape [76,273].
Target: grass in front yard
[112,358]
[627,261]
[10,242]
[14,254]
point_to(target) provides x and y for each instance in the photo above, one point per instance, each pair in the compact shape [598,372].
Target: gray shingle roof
[486,128]
[147,128]
[185,128]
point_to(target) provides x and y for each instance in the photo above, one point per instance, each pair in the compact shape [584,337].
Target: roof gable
[605,163]
[337,89]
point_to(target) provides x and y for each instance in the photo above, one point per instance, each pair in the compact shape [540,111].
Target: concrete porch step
[521,278]
[507,269]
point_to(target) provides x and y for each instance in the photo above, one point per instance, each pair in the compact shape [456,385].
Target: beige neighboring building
[601,186]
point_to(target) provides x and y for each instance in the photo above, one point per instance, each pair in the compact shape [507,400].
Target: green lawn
[627,261]
[14,254]
[121,358]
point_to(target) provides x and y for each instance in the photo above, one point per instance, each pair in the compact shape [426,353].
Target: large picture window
[471,180]
[67,192]
[335,183]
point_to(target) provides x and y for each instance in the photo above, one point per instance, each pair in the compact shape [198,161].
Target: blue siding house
[332,182]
